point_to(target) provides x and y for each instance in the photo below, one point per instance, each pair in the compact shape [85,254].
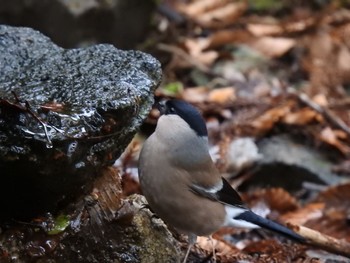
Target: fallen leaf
[264,29]
[221,247]
[221,16]
[302,215]
[182,59]
[195,95]
[325,65]
[268,119]
[229,36]
[302,117]
[320,99]
[196,46]
[273,47]
[277,199]
[336,197]
[331,137]
[328,214]
[196,51]
[299,25]
[274,251]
[222,95]
[196,8]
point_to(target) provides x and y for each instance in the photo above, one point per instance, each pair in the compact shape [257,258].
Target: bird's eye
[171,110]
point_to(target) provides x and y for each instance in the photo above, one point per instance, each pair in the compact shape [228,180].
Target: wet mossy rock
[64,114]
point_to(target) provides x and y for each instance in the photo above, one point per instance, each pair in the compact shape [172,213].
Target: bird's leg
[191,241]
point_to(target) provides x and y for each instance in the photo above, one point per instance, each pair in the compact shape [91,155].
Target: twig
[18,105]
[183,55]
[43,124]
[325,242]
[334,120]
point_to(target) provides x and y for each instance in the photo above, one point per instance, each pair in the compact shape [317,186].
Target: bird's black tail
[249,216]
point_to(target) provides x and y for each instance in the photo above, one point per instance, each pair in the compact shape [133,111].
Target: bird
[182,184]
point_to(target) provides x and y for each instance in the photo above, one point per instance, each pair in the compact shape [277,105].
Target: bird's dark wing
[225,194]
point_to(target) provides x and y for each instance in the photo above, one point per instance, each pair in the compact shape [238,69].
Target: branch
[326,113]
[322,241]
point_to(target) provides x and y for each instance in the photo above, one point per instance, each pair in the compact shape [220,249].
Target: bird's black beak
[161,106]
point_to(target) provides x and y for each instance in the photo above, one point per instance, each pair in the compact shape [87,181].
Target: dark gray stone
[291,164]
[64,113]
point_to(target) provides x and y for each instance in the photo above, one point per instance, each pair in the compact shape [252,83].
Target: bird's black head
[188,113]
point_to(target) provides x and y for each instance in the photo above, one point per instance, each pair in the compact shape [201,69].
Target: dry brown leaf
[332,137]
[341,37]
[270,29]
[302,215]
[302,117]
[277,199]
[300,25]
[198,7]
[342,33]
[336,196]
[222,16]
[340,134]
[196,46]
[324,65]
[329,213]
[222,95]
[181,58]
[264,29]
[195,50]
[343,60]
[195,95]
[204,94]
[224,37]
[267,120]
[320,99]
[274,251]
[225,252]
[273,47]
[221,247]
[217,39]
[206,58]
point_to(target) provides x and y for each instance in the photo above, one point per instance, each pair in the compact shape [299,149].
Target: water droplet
[72,148]
[49,145]
[79,165]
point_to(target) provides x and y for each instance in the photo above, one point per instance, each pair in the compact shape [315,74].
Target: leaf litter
[259,72]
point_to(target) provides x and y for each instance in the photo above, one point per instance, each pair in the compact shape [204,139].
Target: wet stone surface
[64,114]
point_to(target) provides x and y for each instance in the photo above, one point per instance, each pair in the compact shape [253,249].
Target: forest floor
[272,80]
